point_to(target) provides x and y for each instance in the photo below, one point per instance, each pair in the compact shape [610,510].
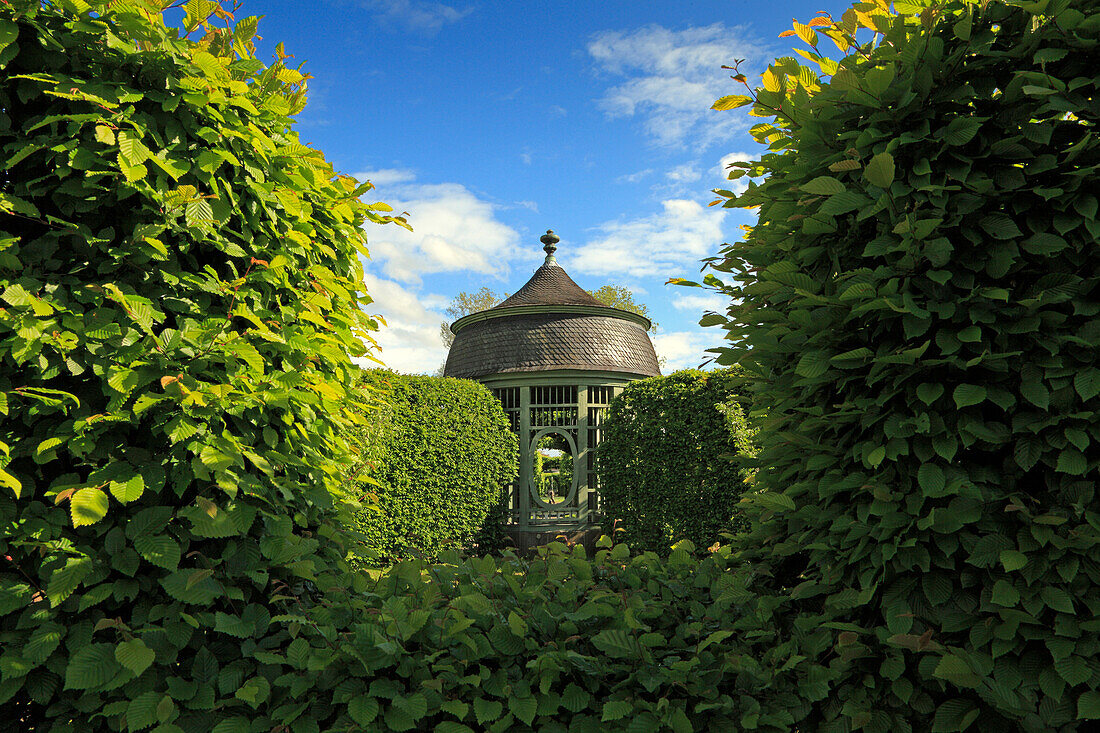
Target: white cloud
[387,176]
[685,173]
[453,230]
[410,339]
[662,244]
[532,205]
[685,349]
[525,156]
[634,177]
[416,15]
[672,78]
[738,185]
[700,302]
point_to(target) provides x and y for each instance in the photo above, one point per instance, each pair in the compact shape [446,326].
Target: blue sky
[490,122]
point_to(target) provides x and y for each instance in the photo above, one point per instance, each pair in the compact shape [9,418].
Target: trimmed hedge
[183,297]
[669,467]
[438,454]
[920,303]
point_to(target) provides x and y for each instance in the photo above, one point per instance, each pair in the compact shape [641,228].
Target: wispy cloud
[699,302]
[453,230]
[671,78]
[418,16]
[634,177]
[664,243]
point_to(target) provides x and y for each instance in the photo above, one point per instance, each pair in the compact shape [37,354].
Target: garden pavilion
[554,356]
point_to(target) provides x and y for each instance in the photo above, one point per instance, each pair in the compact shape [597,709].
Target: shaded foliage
[668,461]
[438,454]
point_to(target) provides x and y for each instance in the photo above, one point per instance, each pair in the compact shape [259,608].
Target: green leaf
[969,394]
[1073,669]
[524,708]
[158,549]
[1072,461]
[142,713]
[487,711]
[1057,599]
[616,643]
[65,580]
[9,31]
[962,130]
[931,478]
[616,709]
[363,709]
[1088,705]
[823,186]
[1005,594]
[1013,560]
[129,490]
[813,364]
[880,170]
[929,392]
[1000,226]
[955,670]
[134,656]
[92,665]
[731,101]
[87,506]
[1087,383]
[42,642]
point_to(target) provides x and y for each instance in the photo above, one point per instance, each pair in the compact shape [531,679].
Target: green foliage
[182,298]
[438,454]
[559,642]
[918,301]
[619,296]
[668,467]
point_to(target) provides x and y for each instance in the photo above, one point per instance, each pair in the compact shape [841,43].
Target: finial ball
[549,237]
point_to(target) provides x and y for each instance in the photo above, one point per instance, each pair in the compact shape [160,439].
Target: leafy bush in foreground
[182,296]
[438,453]
[920,303]
[668,459]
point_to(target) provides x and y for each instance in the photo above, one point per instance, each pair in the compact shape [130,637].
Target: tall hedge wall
[438,454]
[668,459]
[182,299]
[920,303]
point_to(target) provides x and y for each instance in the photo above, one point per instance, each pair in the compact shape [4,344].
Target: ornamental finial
[549,246]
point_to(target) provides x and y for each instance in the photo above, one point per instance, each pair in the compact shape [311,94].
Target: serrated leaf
[813,364]
[880,170]
[92,665]
[1057,599]
[160,550]
[823,186]
[845,165]
[1088,705]
[363,709]
[1087,383]
[134,656]
[1073,669]
[929,392]
[42,642]
[966,395]
[129,490]
[931,478]
[65,580]
[1073,462]
[1000,226]
[142,713]
[961,130]
[524,708]
[87,506]
[731,101]
[1013,560]
[956,671]
[1005,594]
[616,709]
[616,643]
[487,711]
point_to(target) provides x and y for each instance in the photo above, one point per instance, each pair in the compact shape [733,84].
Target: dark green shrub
[438,454]
[668,468]
[182,298]
[919,301]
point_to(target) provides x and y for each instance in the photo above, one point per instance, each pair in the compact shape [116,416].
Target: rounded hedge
[668,459]
[919,301]
[438,454]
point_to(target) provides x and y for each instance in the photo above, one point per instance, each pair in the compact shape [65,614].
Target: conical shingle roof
[550,324]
